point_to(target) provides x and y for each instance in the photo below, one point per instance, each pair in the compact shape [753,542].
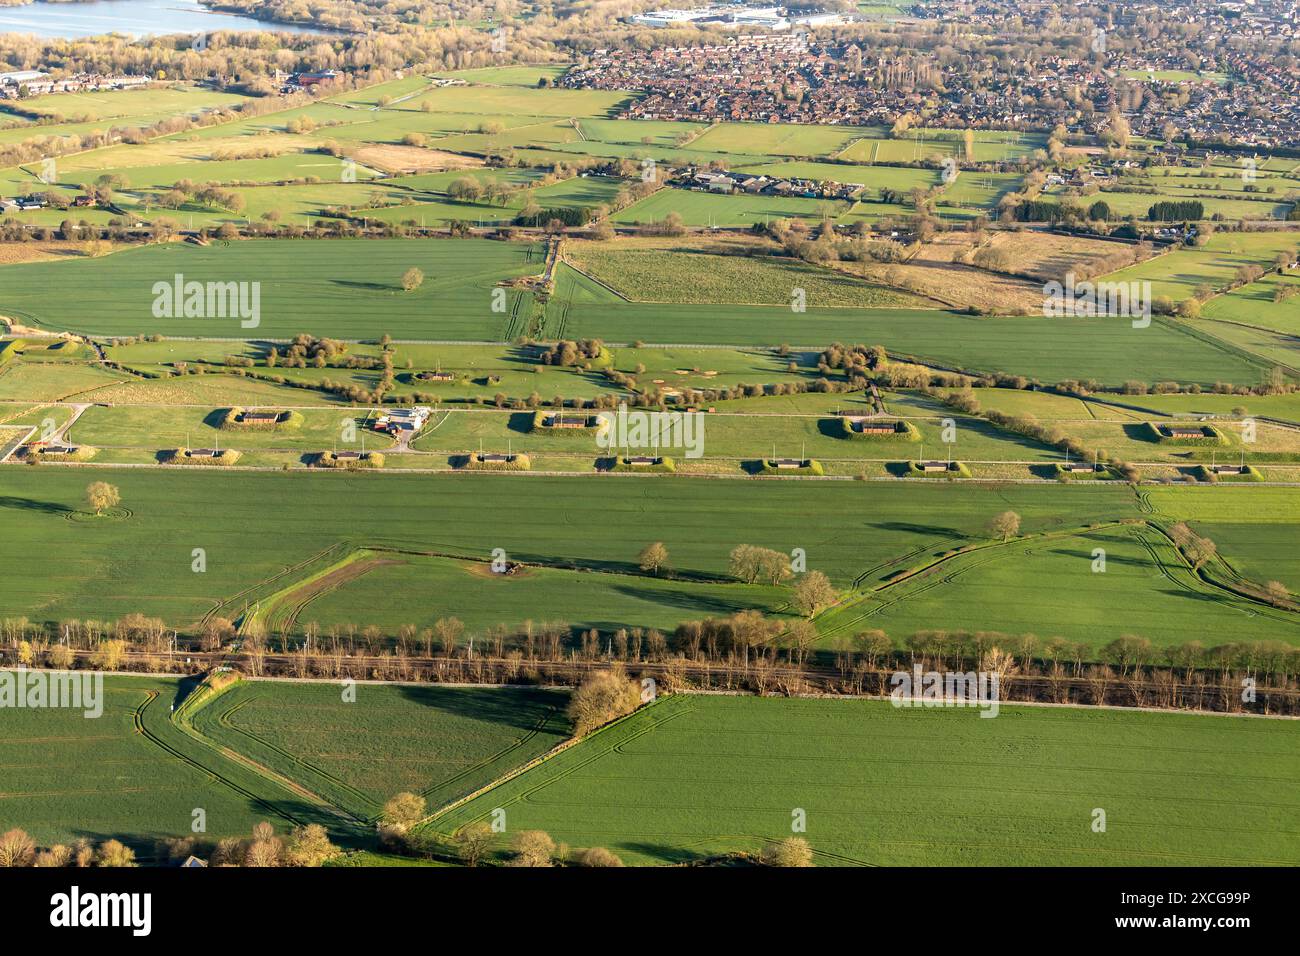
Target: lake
[136,17]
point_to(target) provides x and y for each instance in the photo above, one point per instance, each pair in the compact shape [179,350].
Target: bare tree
[532,848]
[812,592]
[792,851]
[473,842]
[1005,526]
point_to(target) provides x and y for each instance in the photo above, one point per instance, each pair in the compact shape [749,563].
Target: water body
[135,17]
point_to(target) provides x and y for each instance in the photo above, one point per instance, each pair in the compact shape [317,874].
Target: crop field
[129,104]
[362,297]
[439,742]
[1051,586]
[1108,350]
[50,382]
[777,140]
[123,774]
[80,114]
[139,559]
[972,193]
[470,591]
[152,427]
[1256,305]
[1255,531]
[694,777]
[667,271]
[1179,273]
[1226,207]
[748,435]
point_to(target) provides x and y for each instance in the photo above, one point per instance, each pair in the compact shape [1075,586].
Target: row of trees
[308,845]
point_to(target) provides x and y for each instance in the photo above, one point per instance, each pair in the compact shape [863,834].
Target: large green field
[1051,350]
[693,777]
[469,591]
[439,742]
[1051,587]
[312,529]
[130,774]
[349,289]
[141,560]
[285,753]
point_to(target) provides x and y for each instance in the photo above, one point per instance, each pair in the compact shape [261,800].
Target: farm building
[864,427]
[644,460]
[565,421]
[401,421]
[203,453]
[259,418]
[1184,431]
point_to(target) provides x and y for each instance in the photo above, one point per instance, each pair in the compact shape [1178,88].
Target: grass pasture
[130,774]
[439,742]
[1025,587]
[690,778]
[59,565]
[361,586]
[360,297]
[724,271]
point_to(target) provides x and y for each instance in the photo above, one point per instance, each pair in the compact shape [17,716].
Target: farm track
[142,720]
[280,617]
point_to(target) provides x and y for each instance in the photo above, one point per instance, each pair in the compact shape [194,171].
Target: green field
[360,296]
[1049,587]
[140,559]
[691,277]
[439,742]
[694,777]
[1051,350]
[468,590]
[1179,273]
[129,774]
